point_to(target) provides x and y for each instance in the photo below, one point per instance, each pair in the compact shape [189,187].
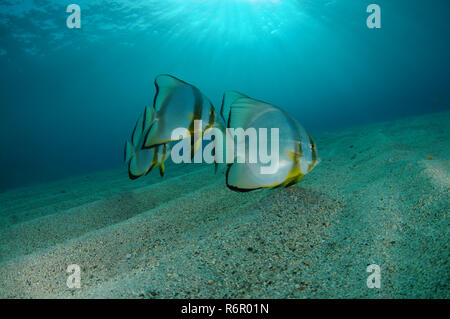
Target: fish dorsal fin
[229,97]
[137,131]
[165,84]
[177,104]
[244,110]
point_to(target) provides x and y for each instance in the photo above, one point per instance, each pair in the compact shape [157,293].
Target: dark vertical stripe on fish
[313,154]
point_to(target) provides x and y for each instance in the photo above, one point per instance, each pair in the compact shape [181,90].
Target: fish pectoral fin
[293,156]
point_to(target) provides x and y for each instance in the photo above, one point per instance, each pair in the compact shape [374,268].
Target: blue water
[70,97]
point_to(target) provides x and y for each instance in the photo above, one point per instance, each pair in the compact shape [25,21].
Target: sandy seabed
[379,196]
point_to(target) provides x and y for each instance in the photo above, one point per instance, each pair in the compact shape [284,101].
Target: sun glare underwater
[358,90]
